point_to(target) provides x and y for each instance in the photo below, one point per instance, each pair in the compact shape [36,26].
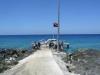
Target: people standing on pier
[61,46]
[51,45]
[33,46]
[70,57]
[36,46]
[39,45]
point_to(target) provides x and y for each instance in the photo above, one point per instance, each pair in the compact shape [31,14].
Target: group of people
[36,45]
[53,45]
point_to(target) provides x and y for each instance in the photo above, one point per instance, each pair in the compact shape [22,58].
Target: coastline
[82,63]
[20,64]
[58,56]
[11,57]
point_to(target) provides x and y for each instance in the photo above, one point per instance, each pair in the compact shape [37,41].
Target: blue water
[76,41]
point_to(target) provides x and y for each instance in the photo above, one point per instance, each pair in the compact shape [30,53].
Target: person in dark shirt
[39,45]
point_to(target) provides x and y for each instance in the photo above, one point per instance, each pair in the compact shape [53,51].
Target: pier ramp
[39,63]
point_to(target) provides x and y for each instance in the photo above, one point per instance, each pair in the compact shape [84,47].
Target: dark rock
[10,57]
[86,62]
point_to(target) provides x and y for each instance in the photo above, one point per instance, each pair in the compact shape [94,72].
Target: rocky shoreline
[87,62]
[58,56]
[11,57]
[83,62]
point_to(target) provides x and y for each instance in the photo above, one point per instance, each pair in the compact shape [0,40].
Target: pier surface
[39,63]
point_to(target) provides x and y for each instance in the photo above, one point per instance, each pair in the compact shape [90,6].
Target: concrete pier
[39,63]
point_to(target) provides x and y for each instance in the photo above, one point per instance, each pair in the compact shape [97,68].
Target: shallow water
[76,41]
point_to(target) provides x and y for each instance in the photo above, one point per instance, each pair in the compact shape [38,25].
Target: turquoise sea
[75,40]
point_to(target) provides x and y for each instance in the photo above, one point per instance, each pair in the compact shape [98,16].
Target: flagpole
[58,29]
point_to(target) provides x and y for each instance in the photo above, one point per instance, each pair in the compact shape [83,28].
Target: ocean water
[25,41]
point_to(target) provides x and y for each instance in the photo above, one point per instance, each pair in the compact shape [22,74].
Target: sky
[37,17]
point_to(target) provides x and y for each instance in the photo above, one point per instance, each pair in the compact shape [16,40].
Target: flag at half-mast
[55,24]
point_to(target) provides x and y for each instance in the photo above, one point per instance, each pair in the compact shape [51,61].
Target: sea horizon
[76,40]
[50,34]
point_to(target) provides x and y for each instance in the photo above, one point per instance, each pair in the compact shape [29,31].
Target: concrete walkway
[39,63]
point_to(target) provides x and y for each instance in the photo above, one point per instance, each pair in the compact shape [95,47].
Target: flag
[55,24]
